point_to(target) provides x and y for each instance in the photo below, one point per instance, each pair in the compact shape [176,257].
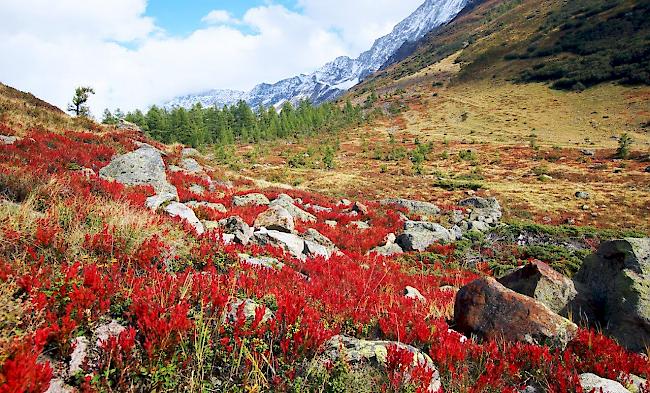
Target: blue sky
[137,53]
[180,18]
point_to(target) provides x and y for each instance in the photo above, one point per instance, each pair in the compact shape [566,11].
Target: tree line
[239,123]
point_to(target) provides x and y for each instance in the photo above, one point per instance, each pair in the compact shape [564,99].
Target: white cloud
[217,17]
[49,47]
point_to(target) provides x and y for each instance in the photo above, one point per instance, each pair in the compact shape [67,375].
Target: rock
[360,224]
[389,248]
[140,167]
[420,208]
[545,177]
[58,385]
[647,169]
[265,262]
[588,152]
[636,384]
[127,125]
[412,293]
[250,199]
[285,201]
[484,210]
[176,209]
[235,226]
[190,152]
[343,202]
[208,205]
[360,208]
[79,354]
[8,140]
[317,244]
[617,278]
[582,195]
[196,189]
[276,218]
[291,243]
[107,330]
[191,165]
[419,235]
[156,201]
[478,226]
[491,311]
[319,209]
[592,382]
[331,223]
[540,282]
[249,310]
[358,354]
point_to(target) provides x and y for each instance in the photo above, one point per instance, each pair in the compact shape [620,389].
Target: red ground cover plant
[174,308]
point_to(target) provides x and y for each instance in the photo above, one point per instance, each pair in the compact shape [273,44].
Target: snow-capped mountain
[337,76]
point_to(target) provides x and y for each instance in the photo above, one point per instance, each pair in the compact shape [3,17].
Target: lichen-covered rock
[358,353]
[208,205]
[197,189]
[250,199]
[413,293]
[261,261]
[489,310]
[419,235]
[542,283]
[58,385]
[425,209]
[389,247]
[79,354]
[144,166]
[176,209]
[592,382]
[191,165]
[106,331]
[483,210]
[156,201]
[235,226]
[8,139]
[248,309]
[318,244]
[190,152]
[360,224]
[286,202]
[275,218]
[617,278]
[291,243]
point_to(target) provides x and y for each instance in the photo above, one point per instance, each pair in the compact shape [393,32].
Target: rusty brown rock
[489,310]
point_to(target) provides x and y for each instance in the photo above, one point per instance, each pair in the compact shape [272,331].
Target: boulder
[8,140]
[286,202]
[79,354]
[249,310]
[419,235]
[250,199]
[106,331]
[412,293]
[197,189]
[264,262]
[617,278]
[191,165]
[592,382]
[275,218]
[360,224]
[426,209]
[58,385]
[489,310]
[176,209]
[144,166]
[588,152]
[127,125]
[358,354]
[190,152]
[360,208]
[208,205]
[235,226]
[389,248]
[539,281]
[317,244]
[289,242]
[156,201]
[481,209]
[582,195]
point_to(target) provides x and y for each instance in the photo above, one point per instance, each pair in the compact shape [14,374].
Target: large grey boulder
[389,248]
[483,210]
[208,205]
[191,165]
[592,382]
[317,244]
[144,166]
[542,283]
[277,218]
[289,242]
[7,140]
[286,202]
[359,354]
[238,228]
[250,199]
[419,235]
[176,209]
[426,209]
[154,202]
[617,278]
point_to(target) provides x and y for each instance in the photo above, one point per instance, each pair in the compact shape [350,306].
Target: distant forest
[239,123]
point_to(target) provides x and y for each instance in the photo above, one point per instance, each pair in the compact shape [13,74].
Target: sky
[136,53]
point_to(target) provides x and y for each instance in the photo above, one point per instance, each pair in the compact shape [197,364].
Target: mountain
[337,76]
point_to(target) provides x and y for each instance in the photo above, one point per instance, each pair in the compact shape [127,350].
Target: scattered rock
[190,152]
[176,209]
[412,293]
[156,201]
[318,208]
[484,210]
[360,208]
[8,140]
[250,199]
[363,353]
[140,167]
[196,189]
[249,310]
[58,385]
[545,177]
[191,165]
[540,282]
[79,354]
[331,223]
[275,218]
[208,205]
[389,248]
[107,330]
[588,152]
[592,382]
[617,278]
[235,226]
[343,202]
[265,262]
[291,243]
[127,125]
[419,235]
[285,201]
[582,195]
[420,208]
[360,224]
[313,235]
[488,309]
